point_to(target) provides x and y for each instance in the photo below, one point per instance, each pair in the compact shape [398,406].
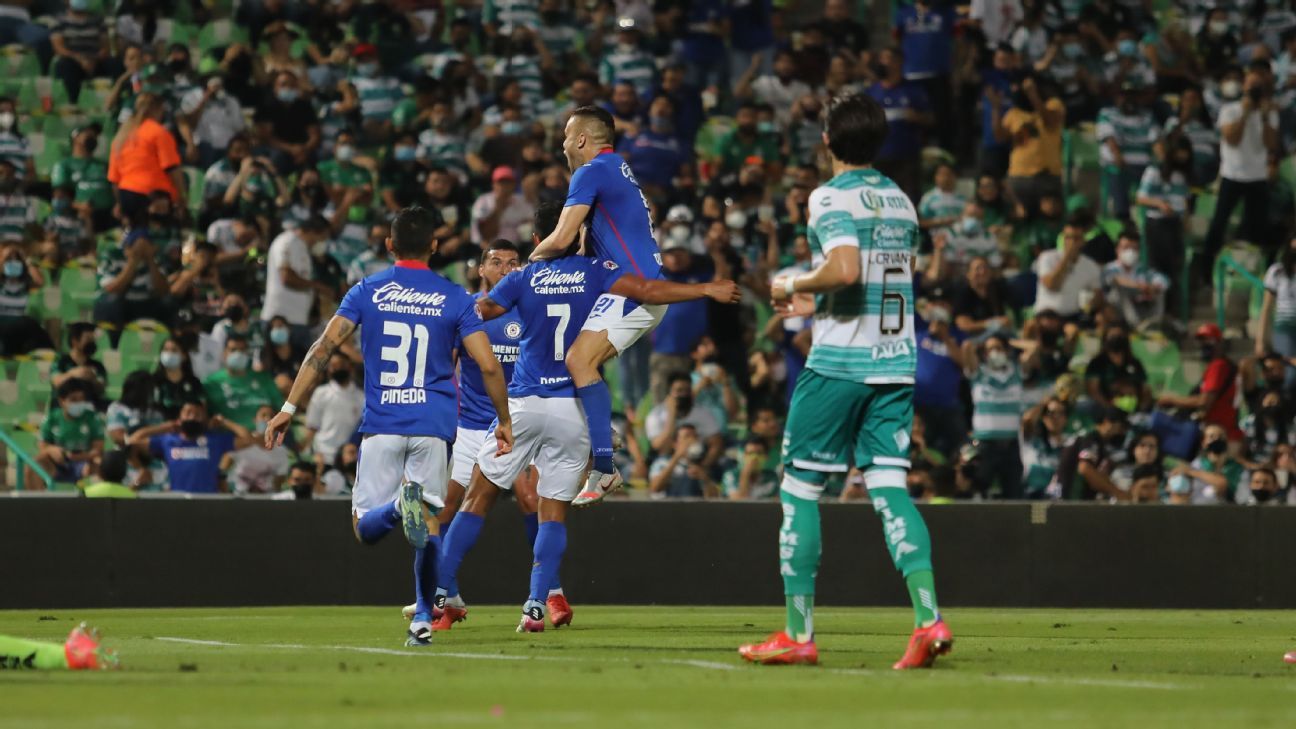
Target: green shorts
[835,424]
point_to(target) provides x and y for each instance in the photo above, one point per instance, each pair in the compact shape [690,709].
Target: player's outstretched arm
[840,269]
[658,291]
[557,242]
[488,309]
[478,347]
[313,369]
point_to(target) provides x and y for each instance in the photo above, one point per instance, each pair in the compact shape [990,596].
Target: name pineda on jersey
[554,282]
[393,298]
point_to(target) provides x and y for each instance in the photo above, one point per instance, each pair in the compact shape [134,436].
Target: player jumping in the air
[863,231]
[80,652]
[409,318]
[548,426]
[603,193]
[476,413]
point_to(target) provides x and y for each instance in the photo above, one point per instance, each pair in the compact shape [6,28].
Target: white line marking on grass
[1053,680]
[191,641]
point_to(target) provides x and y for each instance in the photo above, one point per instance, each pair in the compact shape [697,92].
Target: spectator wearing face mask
[280,358]
[291,284]
[78,362]
[1144,454]
[909,116]
[1194,121]
[377,258]
[334,411]
[287,124]
[683,325]
[131,279]
[1067,275]
[1212,477]
[174,382]
[998,402]
[87,175]
[756,476]
[14,147]
[655,154]
[81,48]
[19,279]
[71,435]
[193,446]
[1137,291]
[712,386]
[197,286]
[1249,135]
[677,410]
[968,238]
[1085,465]
[339,478]
[1217,43]
[939,375]
[379,92]
[982,303]
[942,206]
[682,472]
[252,469]
[133,410]
[236,391]
[1163,194]
[1265,430]
[1215,399]
[1126,132]
[217,117]
[1040,442]
[1114,363]
[68,230]
[17,208]
[1048,346]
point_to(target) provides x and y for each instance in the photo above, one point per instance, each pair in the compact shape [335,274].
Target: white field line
[708,665]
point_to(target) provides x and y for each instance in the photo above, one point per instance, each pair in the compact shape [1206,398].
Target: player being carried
[475,416]
[604,196]
[409,318]
[863,231]
[549,427]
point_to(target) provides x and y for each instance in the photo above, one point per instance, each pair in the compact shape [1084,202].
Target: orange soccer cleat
[779,649]
[450,614]
[83,651]
[924,645]
[560,612]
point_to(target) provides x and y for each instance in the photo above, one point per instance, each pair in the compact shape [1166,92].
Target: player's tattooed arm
[659,291]
[313,370]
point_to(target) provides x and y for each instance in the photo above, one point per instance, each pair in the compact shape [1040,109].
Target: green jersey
[237,397]
[865,332]
[997,402]
[75,435]
[88,176]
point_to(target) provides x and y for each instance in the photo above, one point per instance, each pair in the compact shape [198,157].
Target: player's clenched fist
[275,429]
[503,439]
[725,292]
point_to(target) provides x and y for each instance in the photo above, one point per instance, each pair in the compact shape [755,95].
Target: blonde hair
[146,105]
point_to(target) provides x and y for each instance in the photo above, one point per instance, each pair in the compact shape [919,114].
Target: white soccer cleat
[408,611]
[420,632]
[597,487]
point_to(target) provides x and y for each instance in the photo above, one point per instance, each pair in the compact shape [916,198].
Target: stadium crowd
[187,189]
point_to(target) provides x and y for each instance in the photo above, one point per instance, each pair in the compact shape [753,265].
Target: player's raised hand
[503,438]
[276,428]
[724,292]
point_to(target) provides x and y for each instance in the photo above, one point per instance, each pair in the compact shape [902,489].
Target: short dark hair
[314,224]
[678,376]
[303,466]
[1082,218]
[546,217]
[112,466]
[71,387]
[856,126]
[77,329]
[599,114]
[503,244]
[411,232]
[1153,470]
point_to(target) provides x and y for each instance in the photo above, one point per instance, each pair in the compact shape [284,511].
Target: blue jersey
[476,411]
[619,226]
[410,318]
[554,298]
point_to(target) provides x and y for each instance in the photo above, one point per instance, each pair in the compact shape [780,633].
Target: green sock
[799,548]
[19,653]
[910,547]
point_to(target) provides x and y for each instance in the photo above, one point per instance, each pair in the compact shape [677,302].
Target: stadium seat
[79,287]
[220,33]
[176,31]
[140,344]
[42,95]
[18,62]
[25,437]
[194,183]
[34,385]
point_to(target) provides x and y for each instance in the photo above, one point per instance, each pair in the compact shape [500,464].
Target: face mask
[1116,344]
[1271,411]
[625,47]
[344,153]
[551,16]
[7,119]
[1129,257]
[1207,352]
[279,335]
[61,205]
[970,225]
[1217,447]
[1073,51]
[366,69]
[178,66]
[77,409]
[287,96]
[736,219]
[1128,403]
[259,427]
[90,349]
[1048,338]
[191,428]
[91,144]
[512,128]
[997,358]
[13,268]
[1230,89]
[1127,48]
[170,360]
[1262,495]
[679,233]
[79,6]
[160,219]
[319,249]
[660,123]
[341,377]
[1219,27]
[766,127]
[238,360]
[685,403]
[235,312]
[404,153]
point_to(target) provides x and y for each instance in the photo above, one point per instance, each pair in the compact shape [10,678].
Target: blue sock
[459,538]
[550,544]
[597,402]
[532,524]
[425,575]
[375,524]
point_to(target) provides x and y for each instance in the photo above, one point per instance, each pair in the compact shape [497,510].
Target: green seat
[194,183]
[42,95]
[79,287]
[18,62]
[612,376]
[34,385]
[220,33]
[55,149]
[174,31]
[140,345]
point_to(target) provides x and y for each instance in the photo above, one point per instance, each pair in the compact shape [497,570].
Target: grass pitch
[660,667]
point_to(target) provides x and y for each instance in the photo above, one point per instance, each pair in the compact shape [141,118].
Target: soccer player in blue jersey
[409,319]
[549,426]
[604,197]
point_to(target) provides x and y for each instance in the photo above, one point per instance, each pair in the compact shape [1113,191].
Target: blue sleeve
[508,291]
[350,307]
[583,188]
[157,446]
[469,321]
[920,100]
[221,442]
